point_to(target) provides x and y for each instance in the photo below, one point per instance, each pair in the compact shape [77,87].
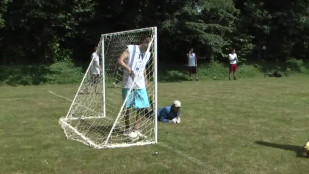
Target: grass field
[254,125]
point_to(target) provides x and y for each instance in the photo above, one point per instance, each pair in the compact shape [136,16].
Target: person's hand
[175,120]
[146,82]
[132,73]
[172,121]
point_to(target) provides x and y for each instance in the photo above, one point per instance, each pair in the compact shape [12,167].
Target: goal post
[105,111]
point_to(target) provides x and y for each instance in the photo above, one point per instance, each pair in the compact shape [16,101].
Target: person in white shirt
[192,64]
[95,68]
[134,60]
[233,64]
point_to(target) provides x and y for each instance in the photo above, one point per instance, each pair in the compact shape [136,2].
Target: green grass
[253,125]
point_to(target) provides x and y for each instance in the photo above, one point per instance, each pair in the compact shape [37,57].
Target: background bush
[213,70]
[295,65]
[65,72]
[57,73]
[172,76]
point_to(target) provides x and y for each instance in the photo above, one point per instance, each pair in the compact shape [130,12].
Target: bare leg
[127,118]
[234,74]
[138,117]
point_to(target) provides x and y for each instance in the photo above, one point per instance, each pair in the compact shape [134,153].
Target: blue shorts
[138,98]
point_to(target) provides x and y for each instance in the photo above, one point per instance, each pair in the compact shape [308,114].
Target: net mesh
[98,116]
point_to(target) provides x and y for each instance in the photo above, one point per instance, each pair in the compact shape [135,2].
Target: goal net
[106,112]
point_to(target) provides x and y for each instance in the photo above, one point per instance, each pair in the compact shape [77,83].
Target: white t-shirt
[191,59]
[137,62]
[95,61]
[233,58]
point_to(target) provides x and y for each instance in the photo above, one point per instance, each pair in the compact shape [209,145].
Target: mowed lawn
[244,126]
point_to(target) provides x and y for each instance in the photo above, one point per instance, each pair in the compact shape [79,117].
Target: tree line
[44,32]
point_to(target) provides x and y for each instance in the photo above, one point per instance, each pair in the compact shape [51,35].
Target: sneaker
[133,136]
[197,79]
[234,78]
[139,134]
[115,85]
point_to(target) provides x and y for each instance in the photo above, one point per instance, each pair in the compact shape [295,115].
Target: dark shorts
[233,67]
[192,69]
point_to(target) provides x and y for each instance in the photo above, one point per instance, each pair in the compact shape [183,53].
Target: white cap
[177,103]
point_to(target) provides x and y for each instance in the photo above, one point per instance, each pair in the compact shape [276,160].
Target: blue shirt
[165,114]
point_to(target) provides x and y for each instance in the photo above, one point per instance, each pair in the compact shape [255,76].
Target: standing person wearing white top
[133,60]
[95,68]
[192,64]
[233,64]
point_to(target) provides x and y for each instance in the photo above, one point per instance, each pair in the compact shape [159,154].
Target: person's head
[144,44]
[233,50]
[191,50]
[95,48]
[176,106]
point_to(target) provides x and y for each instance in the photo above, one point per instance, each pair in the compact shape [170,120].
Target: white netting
[97,116]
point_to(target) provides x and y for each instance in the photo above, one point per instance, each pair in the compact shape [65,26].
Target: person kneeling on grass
[171,113]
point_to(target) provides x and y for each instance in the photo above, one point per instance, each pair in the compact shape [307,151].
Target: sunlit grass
[242,126]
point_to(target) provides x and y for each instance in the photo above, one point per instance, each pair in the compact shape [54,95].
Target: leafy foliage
[58,73]
[204,25]
[41,31]
[32,28]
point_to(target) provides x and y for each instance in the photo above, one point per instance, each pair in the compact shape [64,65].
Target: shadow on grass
[299,150]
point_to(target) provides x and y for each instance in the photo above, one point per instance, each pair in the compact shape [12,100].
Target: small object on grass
[155,153]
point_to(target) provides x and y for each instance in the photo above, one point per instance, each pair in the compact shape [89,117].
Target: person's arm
[146,78]
[121,61]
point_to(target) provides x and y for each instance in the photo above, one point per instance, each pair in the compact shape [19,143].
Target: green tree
[34,27]
[279,28]
[3,9]
[255,21]
[205,25]
[289,34]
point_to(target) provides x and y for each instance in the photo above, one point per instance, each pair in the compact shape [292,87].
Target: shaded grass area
[58,73]
[66,72]
[245,126]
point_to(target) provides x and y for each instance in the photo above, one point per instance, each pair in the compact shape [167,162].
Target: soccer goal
[98,115]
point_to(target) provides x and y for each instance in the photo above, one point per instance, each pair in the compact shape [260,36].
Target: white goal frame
[73,123]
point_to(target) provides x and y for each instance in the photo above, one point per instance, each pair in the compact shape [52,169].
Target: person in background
[192,64]
[170,113]
[233,64]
